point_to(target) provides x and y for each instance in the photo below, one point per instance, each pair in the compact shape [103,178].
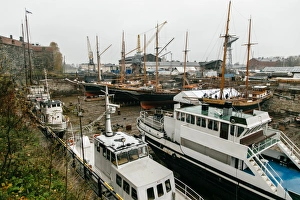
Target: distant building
[42,57]
[261,62]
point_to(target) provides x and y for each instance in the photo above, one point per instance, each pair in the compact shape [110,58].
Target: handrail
[158,124]
[185,190]
[292,147]
[265,169]
[263,145]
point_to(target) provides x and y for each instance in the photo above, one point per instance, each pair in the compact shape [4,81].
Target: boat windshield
[131,155]
[122,158]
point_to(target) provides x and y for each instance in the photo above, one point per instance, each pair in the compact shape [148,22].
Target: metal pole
[82,148]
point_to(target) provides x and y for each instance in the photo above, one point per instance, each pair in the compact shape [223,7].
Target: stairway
[291,150]
[261,170]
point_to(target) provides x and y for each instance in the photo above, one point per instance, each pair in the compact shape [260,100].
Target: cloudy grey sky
[275,26]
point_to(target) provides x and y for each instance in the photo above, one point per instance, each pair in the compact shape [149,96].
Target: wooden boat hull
[237,104]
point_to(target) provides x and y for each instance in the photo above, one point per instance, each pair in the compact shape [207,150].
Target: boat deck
[290,176]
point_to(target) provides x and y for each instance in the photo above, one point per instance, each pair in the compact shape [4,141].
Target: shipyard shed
[292,72]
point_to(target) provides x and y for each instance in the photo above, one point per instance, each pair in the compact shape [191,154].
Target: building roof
[295,69]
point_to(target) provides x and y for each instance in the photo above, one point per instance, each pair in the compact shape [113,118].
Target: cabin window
[198,121]
[122,158]
[133,154]
[224,130]
[119,180]
[104,152]
[178,115]
[215,125]
[98,147]
[240,131]
[143,152]
[126,186]
[190,119]
[160,190]
[168,185]
[182,117]
[232,127]
[113,158]
[203,122]
[108,154]
[134,194]
[150,193]
[210,123]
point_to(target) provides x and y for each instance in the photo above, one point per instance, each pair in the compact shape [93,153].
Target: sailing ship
[246,101]
[123,162]
[153,95]
[234,153]
[149,95]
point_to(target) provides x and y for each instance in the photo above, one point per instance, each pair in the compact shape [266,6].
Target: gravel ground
[124,118]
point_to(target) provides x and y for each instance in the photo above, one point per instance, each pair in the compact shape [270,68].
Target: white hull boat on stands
[123,162]
[224,154]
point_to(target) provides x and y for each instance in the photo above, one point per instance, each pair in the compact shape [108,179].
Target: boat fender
[174,156]
[70,142]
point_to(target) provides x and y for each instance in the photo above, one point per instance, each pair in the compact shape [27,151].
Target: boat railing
[266,168]
[98,185]
[292,147]
[157,122]
[186,191]
[259,147]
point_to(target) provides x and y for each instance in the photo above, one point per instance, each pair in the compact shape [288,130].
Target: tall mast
[156,59]
[248,57]
[226,36]
[28,44]
[24,52]
[185,55]
[145,59]
[98,60]
[122,71]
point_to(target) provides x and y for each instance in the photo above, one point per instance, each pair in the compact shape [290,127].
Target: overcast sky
[275,26]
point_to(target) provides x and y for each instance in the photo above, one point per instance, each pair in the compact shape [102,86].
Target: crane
[90,52]
[231,40]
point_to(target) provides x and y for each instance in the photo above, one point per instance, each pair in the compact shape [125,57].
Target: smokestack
[205,108]
[227,110]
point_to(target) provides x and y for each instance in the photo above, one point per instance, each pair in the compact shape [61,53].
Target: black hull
[150,99]
[206,180]
[92,91]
